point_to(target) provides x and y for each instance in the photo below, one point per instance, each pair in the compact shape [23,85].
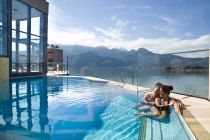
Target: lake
[188,83]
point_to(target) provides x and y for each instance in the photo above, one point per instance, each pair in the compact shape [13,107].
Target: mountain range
[80,56]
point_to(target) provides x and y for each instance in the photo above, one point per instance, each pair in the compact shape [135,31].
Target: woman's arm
[148,103]
[178,106]
[161,103]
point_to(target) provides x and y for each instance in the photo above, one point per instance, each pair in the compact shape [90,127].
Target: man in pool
[149,98]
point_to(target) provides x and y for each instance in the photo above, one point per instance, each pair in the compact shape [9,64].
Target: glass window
[35,54]
[22,65]
[3,41]
[19,52]
[3,7]
[19,16]
[35,21]
[21,35]
[1,11]
[3,28]
[14,60]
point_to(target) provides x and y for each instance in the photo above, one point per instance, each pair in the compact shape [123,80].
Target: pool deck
[196,114]
[56,73]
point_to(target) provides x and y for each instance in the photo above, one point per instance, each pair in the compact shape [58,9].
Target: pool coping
[199,128]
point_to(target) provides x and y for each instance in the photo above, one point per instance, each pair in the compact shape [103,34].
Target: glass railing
[59,68]
[187,72]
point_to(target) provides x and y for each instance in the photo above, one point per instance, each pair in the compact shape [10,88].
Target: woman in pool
[149,100]
[160,109]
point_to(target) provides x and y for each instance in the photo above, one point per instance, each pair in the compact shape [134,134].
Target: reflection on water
[53,108]
[189,83]
[22,116]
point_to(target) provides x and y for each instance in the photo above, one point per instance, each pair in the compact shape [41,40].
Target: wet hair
[158,84]
[166,88]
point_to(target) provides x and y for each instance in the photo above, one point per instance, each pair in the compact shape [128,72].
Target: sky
[160,26]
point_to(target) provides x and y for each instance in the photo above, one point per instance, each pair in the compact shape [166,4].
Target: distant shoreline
[187,69]
[184,70]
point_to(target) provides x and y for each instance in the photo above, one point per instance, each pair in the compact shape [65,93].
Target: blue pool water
[66,108]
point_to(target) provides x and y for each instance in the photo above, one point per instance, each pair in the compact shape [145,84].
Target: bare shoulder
[148,94]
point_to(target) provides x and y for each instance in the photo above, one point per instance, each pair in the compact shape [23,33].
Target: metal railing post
[137,82]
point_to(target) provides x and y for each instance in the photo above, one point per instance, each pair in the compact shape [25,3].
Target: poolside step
[169,128]
[119,122]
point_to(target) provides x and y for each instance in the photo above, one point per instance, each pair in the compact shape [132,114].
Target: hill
[103,57]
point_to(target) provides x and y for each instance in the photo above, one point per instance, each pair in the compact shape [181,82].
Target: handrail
[187,51]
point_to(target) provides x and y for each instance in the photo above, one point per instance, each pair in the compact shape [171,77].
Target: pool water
[66,108]
[169,128]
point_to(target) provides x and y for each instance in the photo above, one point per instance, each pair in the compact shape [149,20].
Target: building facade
[55,59]
[23,36]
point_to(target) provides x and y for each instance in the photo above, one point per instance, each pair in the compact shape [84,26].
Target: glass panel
[23,25]
[3,41]
[19,16]
[172,69]
[14,52]
[22,57]
[19,52]
[20,44]
[36,51]
[41,55]
[14,59]
[3,28]
[1,11]
[35,21]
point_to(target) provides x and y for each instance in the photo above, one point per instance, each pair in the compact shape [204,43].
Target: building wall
[4,68]
[23,31]
[42,5]
[55,55]
[55,58]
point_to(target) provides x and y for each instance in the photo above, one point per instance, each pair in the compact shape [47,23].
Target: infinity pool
[67,108]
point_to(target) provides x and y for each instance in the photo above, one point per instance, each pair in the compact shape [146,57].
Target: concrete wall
[4,68]
[41,5]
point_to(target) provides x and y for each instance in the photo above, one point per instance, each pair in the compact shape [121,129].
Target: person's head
[157,89]
[165,90]
[158,85]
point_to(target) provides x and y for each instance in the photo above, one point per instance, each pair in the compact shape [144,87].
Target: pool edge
[183,118]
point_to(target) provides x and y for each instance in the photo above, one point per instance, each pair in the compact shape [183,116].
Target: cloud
[169,20]
[119,22]
[64,34]
[169,45]
[118,7]
[133,28]
[115,36]
[55,16]
[113,39]
[116,31]
[71,36]
[145,7]
[188,34]
[167,29]
[113,33]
